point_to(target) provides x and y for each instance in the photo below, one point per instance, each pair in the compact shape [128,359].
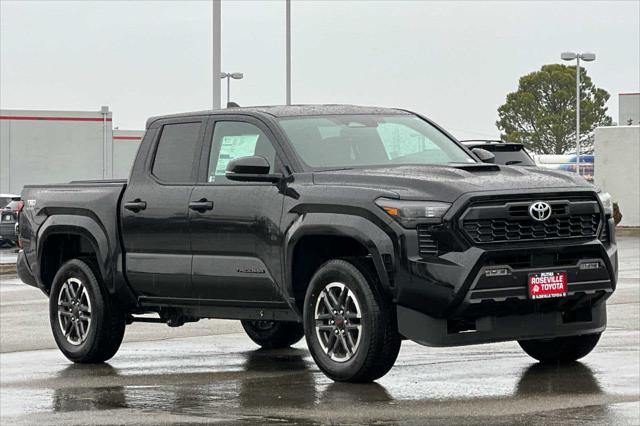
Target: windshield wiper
[512,162]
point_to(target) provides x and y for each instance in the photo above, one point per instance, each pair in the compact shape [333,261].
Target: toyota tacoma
[353,227]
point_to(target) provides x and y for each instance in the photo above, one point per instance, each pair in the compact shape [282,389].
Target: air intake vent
[427,245]
[604,234]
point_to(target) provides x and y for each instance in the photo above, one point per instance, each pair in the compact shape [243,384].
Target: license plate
[7,218]
[544,285]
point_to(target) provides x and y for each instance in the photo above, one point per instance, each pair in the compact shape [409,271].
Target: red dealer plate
[545,285]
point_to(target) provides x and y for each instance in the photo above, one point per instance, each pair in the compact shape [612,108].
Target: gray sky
[453,61]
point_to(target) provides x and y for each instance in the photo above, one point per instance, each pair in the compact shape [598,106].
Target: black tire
[104,331]
[273,334]
[375,343]
[560,349]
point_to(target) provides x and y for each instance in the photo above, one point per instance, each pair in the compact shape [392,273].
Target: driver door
[236,245]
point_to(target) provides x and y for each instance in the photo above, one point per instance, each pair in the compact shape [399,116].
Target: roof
[291,111]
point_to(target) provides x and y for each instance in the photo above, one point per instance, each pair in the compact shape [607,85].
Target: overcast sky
[452,61]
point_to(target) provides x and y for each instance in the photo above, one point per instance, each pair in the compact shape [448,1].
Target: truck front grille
[508,221]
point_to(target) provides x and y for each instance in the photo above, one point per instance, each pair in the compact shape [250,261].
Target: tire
[560,349]
[273,334]
[371,333]
[99,323]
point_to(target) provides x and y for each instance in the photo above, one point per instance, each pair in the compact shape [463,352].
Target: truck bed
[73,208]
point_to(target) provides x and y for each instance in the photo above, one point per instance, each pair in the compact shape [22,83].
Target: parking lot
[210,372]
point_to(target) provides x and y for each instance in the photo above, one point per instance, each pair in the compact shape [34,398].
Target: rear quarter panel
[89,209]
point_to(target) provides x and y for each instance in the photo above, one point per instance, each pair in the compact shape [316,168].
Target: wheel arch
[64,237]
[348,236]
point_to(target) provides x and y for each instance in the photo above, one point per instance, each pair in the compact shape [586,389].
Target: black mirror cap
[484,155]
[253,165]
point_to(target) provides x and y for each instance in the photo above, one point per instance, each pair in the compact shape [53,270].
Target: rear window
[176,152]
[510,155]
[13,205]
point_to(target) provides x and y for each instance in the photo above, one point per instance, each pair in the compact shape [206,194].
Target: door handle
[201,205]
[135,205]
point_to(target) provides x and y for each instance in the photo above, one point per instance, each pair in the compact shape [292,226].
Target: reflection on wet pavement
[150,383]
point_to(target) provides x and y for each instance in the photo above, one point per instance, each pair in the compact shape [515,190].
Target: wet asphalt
[209,372]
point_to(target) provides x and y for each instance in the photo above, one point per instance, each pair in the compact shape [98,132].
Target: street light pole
[288,52]
[588,57]
[578,114]
[229,76]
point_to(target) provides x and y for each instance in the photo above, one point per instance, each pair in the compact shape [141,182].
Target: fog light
[590,265]
[497,272]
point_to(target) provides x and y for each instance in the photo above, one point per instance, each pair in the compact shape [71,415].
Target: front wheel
[560,349]
[87,325]
[349,323]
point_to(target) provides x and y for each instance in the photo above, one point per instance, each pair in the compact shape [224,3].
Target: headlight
[605,199]
[409,212]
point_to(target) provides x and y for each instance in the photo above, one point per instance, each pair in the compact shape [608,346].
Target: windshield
[345,141]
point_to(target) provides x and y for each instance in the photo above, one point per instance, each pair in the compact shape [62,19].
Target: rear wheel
[560,349]
[349,323]
[87,325]
[273,334]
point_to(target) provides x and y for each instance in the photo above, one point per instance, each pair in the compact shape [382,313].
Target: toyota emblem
[540,211]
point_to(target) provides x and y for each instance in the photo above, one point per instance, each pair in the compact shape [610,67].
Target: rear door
[236,240]
[155,215]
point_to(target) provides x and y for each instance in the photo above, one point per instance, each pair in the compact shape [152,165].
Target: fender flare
[364,231]
[84,226]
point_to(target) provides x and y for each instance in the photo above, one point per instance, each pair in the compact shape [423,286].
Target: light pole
[588,57]
[229,76]
[288,51]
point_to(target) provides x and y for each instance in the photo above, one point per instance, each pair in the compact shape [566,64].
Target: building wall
[125,148]
[39,147]
[628,109]
[617,150]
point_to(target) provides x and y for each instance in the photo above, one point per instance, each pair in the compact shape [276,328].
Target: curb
[7,268]
[628,231]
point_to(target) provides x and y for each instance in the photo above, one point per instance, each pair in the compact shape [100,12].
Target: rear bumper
[430,331]
[23,270]
[8,231]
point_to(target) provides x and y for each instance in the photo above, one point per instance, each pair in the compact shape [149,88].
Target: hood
[447,183]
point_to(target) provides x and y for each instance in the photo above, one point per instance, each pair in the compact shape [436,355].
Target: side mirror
[251,169]
[484,155]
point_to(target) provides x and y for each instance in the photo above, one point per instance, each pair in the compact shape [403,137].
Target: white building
[628,109]
[40,147]
[617,170]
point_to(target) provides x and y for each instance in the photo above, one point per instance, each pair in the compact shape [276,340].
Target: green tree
[541,114]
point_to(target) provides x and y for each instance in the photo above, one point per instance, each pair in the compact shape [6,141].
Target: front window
[343,141]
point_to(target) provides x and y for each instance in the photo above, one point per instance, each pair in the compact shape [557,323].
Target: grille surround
[503,221]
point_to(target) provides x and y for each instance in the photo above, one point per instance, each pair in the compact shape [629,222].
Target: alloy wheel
[74,311]
[338,321]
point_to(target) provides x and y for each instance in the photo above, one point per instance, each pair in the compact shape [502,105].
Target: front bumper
[458,298]
[429,331]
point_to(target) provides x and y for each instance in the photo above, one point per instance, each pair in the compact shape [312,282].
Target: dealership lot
[211,372]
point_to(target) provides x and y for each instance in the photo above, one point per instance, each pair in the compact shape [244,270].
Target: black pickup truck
[354,227]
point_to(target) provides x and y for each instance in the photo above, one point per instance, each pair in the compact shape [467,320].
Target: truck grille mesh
[510,221]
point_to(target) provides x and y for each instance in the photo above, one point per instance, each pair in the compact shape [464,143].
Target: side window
[176,152]
[235,139]
[401,141]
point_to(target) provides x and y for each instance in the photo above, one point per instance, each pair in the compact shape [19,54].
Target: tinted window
[235,139]
[370,140]
[510,155]
[176,152]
